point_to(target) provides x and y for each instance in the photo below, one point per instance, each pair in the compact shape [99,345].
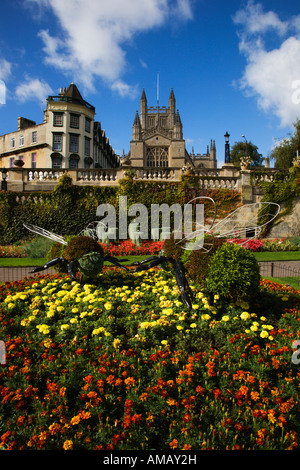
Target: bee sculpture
[84,254]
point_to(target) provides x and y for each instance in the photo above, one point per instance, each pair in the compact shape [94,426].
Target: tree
[243,149]
[285,151]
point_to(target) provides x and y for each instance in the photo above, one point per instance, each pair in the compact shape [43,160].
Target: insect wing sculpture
[82,253]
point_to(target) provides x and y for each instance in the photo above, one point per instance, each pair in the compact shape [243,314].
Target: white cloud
[93,35]
[255,20]
[270,73]
[33,89]
[5,69]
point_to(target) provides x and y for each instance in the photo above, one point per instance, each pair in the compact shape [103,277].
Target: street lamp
[246,144]
[227,148]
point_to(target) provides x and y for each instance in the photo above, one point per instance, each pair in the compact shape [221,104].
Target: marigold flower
[173,444]
[68,445]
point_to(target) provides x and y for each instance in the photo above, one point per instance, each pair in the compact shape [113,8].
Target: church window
[157,156]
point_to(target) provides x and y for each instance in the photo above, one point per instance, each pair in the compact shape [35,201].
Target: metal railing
[280,271]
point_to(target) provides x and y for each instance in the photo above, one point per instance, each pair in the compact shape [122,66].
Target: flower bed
[127,248]
[122,365]
[11,251]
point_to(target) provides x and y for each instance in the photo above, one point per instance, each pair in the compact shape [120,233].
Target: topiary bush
[233,273]
[198,261]
[79,246]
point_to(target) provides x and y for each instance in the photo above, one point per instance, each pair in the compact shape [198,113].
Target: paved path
[16,274]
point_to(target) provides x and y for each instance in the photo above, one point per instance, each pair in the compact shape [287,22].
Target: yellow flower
[43,329]
[195,306]
[60,308]
[253,328]
[116,343]
[64,327]
[245,315]
[200,295]
[11,305]
[164,342]
[205,316]
[264,334]
[193,325]
[225,318]
[179,327]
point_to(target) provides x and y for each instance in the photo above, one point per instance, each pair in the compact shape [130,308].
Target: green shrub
[37,247]
[233,273]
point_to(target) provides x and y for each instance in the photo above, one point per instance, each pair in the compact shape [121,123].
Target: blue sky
[234,66]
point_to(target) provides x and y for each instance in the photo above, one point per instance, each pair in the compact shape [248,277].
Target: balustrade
[32,179]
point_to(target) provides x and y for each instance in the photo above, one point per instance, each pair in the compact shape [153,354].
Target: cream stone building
[69,137]
[157,139]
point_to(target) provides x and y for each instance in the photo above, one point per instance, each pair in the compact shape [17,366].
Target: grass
[291,281]
[277,255]
[260,256]
[17,262]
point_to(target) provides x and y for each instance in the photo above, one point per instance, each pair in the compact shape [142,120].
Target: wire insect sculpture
[84,254]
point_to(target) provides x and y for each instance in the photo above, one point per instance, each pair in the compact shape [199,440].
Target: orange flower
[174,444]
[68,445]
[187,447]
[75,420]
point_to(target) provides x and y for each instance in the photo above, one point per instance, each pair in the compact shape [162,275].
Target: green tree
[243,149]
[285,151]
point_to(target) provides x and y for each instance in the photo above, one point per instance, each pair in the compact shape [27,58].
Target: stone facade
[69,137]
[157,139]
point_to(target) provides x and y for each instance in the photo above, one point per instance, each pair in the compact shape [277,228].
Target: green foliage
[285,151]
[80,246]
[91,264]
[233,273]
[198,261]
[243,149]
[172,249]
[279,191]
[37,248]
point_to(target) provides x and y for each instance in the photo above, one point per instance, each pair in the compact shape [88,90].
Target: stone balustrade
[228,176]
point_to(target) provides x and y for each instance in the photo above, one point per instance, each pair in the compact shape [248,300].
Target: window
[57,142]
[12,142]
[87,125]
[158,156]
[11,162]
[58,119]
[74,143]
[87,146]
[56,162]
[74,121]
[21,140]
[73,163]
[33,160]
[34,137]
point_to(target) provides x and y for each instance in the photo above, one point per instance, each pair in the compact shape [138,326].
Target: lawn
[277,255]
[121,364]
[260,256]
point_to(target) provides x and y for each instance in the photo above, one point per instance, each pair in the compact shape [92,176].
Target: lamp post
[246,144]
[227,148]
[4,182]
